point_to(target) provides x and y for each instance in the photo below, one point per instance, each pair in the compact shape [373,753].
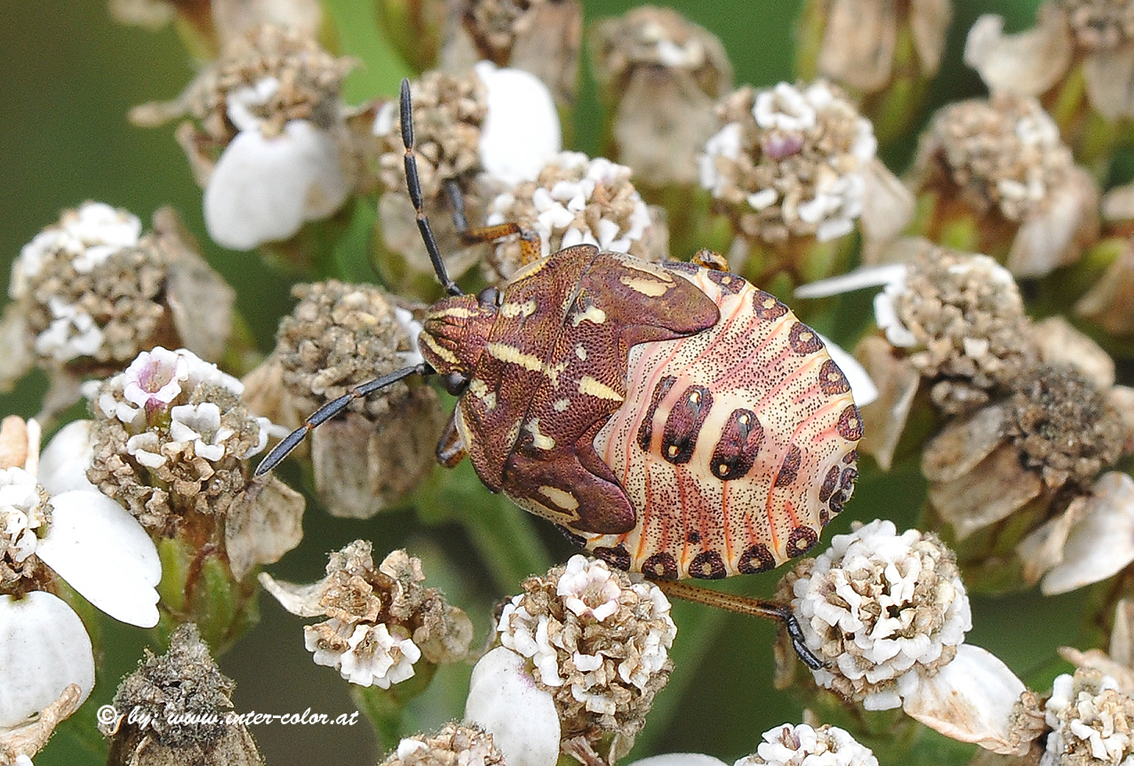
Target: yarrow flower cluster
[802,744]
[790,161]
[453,745]
[593,639]
[575,200]
[171,436]
[888,613]
[1089,719]
[92,291]
[382,621]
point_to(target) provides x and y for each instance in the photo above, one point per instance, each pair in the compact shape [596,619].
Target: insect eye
[455,383]
[488,297]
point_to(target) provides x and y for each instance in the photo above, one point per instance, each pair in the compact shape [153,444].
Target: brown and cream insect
[672,418]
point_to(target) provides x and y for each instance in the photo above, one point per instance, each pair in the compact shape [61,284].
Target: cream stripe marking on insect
[438,349]
[651,288]
[513,355]
[598,389]
[479,389]
[513,310]
[561,498]
[460,312]
[592,314]
[539,440]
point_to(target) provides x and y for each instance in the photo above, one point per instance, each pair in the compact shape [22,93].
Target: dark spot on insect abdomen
[767,306]
[832,381]
[740,441]
[801,541]
[850,424]
[646,429]
[683,425]
[618,557]
[756,558]
[707,565]
[803,340]
[660,566]
[790,467]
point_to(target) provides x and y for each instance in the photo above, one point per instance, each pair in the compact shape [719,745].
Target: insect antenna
[745,605]
[413,183]
[332,408]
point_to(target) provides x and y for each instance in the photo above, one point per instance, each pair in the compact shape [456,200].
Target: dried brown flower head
[454,745]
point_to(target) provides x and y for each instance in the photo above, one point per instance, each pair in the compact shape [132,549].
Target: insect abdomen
[735,445]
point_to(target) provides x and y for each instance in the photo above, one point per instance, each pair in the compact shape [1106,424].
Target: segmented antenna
[413,183]
[336,406]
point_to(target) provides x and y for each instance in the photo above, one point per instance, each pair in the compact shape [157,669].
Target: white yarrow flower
[804,745]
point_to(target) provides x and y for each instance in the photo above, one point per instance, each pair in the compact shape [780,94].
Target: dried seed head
[449,112]
[382,620]
[93,287]
[265,78]
[340,335]
[171,435]
[1064,427]
[175,708]
[660,74]
[649,38]
[1090,720]
[801,744]
[790,161]
[967,324]
[576,200]
[885,611]
[1099,24]
[597,641]
[1004,153]
[455,745]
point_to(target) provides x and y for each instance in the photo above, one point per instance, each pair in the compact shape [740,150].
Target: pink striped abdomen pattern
[735,445]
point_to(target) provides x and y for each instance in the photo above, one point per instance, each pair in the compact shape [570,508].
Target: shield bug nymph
[672,418]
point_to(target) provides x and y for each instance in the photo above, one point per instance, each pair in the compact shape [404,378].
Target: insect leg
[744,605]
[332,408]
[530,247]
[450,449]
[413,183]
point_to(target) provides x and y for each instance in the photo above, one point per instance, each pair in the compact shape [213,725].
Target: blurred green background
[70,75]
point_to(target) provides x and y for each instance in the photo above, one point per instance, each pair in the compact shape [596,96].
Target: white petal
[43,649]
[679,759]
[265,189]
[1026,63]
[66,458]
[862,387]
[970,700]
[1102,543]
[300,600]
[103,553]
[504,700]
[521,130]
[868,276]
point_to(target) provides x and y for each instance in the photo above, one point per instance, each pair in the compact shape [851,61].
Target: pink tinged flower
[43,649]
[154,378]
[265,188]
[505,701]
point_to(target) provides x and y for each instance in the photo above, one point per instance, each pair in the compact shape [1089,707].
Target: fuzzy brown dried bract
[454,745]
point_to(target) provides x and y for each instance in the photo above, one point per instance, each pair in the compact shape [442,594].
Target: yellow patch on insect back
[513,310]
[651,288]
[596,388]
[539,440]
[561,498]
[592,314]
[513,355]
[479,389]
[459,312]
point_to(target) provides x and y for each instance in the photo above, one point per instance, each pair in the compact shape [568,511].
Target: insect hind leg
[744,605]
